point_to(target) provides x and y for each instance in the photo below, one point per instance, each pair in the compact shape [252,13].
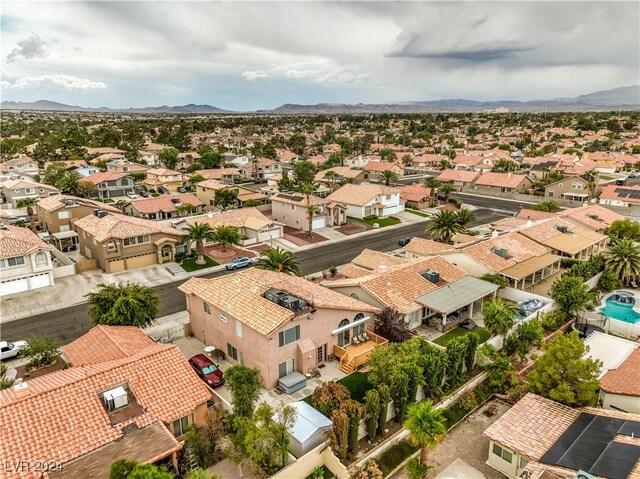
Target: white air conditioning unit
[115,398]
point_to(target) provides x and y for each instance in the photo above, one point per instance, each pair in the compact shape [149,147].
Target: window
[129,241]
[293,207]
[10,262]
[64,228]
[288,336]
[344,337]
[502,453]
[560,185]
[111,246]
[63,215]
[522,463]
[286,367]
[143,239]
[223,316]
[41,259]
[207,307]
[576,186]
[550,194]
[232,352]
[180,426]
[30,191]
[354,295]
[238,328]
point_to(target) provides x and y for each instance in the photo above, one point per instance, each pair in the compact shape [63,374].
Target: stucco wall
[307,463]
[618,401]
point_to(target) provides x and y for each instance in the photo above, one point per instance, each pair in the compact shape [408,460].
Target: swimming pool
[620,306]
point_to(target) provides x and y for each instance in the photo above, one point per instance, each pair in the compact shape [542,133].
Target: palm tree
[332,176]
[549,206]
[29,203]
[465,217]
[121,205]
[444,226]
[623,259]
[446,188]
[425,424]
[279,260]
[199,232]
[387,177]
[499,316]
[227,236]
[432,183]
[69,183]
[311,211]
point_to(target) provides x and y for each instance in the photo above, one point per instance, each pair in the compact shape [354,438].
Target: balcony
[353,356]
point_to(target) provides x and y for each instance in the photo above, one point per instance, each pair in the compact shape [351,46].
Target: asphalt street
[69,323]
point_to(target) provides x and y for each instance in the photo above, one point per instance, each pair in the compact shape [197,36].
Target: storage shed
[309,429]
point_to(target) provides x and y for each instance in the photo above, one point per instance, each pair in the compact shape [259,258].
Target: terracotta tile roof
[585,215]
[372,260]
[504,180]
[241,296]
[250,218]
[359,195]
[55,202]
[61,417]
[343,171]
[458,175]
[519,248]
[164,203]
[17,241]
[469,160]
[353,271]
[609,193]
[22,184]
[415,193]
[305,201]
[508,224]
[381,166]
[575,240]
[122,226]
[217,173]
[105,343]
[428,158]
[163,172]
[102,150]
[101,176]
[625,379]
[534,215]
[427,247]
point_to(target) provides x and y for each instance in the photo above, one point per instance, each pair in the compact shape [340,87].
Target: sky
[258,55]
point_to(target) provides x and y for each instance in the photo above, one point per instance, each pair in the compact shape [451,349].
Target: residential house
[416,196]
[109,405]
[149,154]
[206,192]
[573,188]
[376,168]
[282,325]
[107,158]
[358,162]
[543,439]
[165,207]
[238,161]
[626,196]
[540,169]
[332,177]
[565,238]
[286,156]
[423,248]
[21,164]
[593,216]
[424,291]
[120,242]
[254,226]
[428,161]
[169,179]
[127,167]
[25,260]
[291,209]
[186,159]
[57,215]
[368,199]
[104,150]
[459,178]
[260,169]
[228,176]
[491,182]
[110,184]
[70,165]
[16,190]
[330,149]
[473,163]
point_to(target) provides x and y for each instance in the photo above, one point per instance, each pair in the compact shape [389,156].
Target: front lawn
[190,264]
[454,333]
[381,221]
[416,212]
[394,455]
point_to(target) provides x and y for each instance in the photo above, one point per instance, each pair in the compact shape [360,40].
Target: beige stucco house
[291,209]
[16,190]
[368,199]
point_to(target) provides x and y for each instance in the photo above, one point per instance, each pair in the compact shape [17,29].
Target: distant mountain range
[627,98]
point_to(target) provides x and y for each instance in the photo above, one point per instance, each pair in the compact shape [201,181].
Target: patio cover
[65,235]
[530,266]
[454,296]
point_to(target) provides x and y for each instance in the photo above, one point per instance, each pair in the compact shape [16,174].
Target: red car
[208,371]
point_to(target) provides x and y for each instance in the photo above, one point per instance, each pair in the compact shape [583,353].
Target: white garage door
[11,287]
[40,281]
[318,223]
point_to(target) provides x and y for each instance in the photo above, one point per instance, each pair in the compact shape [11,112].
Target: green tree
[433,184]
[279,260]
[69,183]
[390,324]
[297,143]
[400,393]
[623,260]
[445,225]
[353,410]
[244,384]
[499,317]
[54,173]
[225,197]
[200,474]
[570,294]
[283,421]
[169,157]
[502,375]
[384,392]
[285,184]
[501,281]
[4,382]
[417,470]
[211,159]
[371,412]
[563,374]
[126,469]
[122,468]
[369,470]
[624,229]
[197,178]
[28,203]
[504,166]
[446,189]
[227,236]
[329,396]
[548,206]
[304,172]
[388,177]
[85,188]
[338,433]
[204,443]
[123,304]
[465,217]
[199,232]
[425,424]
[41,351]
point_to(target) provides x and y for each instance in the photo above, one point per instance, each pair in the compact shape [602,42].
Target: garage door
[318,223]
[115,266]
[41,281]
[139,261]
[11,287]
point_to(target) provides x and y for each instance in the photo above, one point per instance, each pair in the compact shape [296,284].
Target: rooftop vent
[68,202]
[432,276]
[175,201]
[594,217]
[284,299]
[562,229]
[115,398]
[100,213]
[502,252]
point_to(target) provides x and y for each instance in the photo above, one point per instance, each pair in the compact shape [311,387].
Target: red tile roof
[101,176]
[17,241]
[164,203]
[625,379]
[105,343]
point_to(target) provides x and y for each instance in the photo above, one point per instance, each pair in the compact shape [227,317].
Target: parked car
[144,194]
[11,350]
[241,262]
[163,190]
[208,371]
[182,189]
[404,241]
[631,175]
[133,196]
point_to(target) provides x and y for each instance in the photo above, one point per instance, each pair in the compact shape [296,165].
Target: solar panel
[555,452]
[630,428]
[616,461]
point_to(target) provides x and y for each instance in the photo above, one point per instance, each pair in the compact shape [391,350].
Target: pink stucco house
[279,323]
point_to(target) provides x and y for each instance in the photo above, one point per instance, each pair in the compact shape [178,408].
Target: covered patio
[456,302]
[65,240]
[529,272]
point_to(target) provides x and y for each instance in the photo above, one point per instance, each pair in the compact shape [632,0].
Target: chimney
[21,388]
[494,234]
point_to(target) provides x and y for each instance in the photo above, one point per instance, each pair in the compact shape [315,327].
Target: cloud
[320,71]
[29,47]
[252,75]
[66,81]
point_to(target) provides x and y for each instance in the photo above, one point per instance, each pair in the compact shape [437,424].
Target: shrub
[385,398]
[41,351]
[501,281]
[608,282]
[372,413]
[569,262]
[552,320]
[468,401]
[329,397]
[4,382]
[180,257]
[370,217]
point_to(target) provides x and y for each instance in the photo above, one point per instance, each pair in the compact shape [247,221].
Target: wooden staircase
[355,355]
